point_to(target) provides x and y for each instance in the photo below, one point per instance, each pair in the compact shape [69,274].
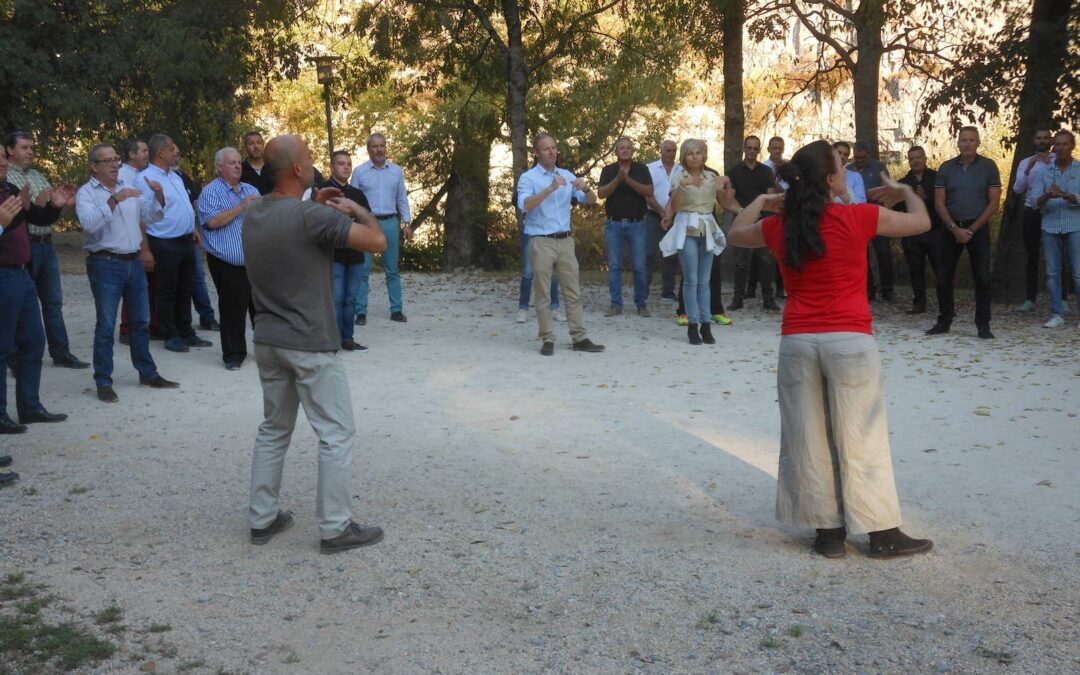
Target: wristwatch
[113,199]
[951,227]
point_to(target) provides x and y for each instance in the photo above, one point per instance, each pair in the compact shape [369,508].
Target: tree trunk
[1047,43]
[866,78]
[734,110]
[517,88]
[467,201]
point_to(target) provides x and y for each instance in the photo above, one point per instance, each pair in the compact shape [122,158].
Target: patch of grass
[14,578]
[709,620]
[769,642]
[163,649]
[1001,656]
[35,605]
[78,490]
[111,614]
[796,631]
[159,628]
[190,665]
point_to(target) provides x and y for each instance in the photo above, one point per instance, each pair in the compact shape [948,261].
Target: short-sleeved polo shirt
[967,187]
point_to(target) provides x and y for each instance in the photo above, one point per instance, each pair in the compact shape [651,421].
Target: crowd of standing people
[291,253]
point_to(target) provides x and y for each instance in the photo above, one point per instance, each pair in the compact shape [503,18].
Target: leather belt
[556,235]
[627,221]
[117,256]
[41,238]
[384,216]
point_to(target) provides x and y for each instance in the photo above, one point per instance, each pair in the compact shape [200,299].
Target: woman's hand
[889,192]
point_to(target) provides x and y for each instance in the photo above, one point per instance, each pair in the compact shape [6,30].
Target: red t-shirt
[828,294]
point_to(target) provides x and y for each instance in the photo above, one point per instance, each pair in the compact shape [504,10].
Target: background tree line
[453,81]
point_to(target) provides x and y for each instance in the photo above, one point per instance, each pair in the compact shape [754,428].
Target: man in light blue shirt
[544,193]
[383,183]
[172,245]
[1058,196]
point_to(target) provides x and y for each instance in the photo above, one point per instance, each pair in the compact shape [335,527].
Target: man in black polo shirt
[252,168]
[751,178]
[967,193]
[626,185]
[921,247]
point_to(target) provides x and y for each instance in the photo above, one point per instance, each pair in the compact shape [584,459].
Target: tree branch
[564,37]
[841,51]
[429,210]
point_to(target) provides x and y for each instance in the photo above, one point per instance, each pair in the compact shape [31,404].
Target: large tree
[1029,72]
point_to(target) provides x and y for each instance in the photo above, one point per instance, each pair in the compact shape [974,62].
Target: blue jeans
[201,296]
[1053,248]
[527,278]
[110,280]
[22,339]
[696,261]
[45,270]
[392,229]
[616,233]
[347,280]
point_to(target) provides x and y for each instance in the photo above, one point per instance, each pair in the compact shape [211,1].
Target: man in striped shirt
[1058,196]
[222,206]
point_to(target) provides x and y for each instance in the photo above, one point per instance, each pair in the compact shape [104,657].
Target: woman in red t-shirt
[835,466]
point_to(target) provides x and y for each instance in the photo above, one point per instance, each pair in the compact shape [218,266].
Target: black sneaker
[831,542]
[894,544]
[354,536]
[361,319]
[282,522]
[8,477]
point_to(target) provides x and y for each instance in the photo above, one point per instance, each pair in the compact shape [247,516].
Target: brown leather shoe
[831,542]
[895,544]
[587,345]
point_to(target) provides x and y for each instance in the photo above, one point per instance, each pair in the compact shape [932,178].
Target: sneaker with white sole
[1056,321]
[522,316]
[559,314]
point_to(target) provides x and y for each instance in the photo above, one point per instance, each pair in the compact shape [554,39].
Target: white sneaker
[522,316]
[559,315]
[1055,321]
[1028,306]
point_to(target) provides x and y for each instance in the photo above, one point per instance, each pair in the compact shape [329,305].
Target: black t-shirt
[349,256]
[252,177]
[625,203]
[750,183]
[929,177]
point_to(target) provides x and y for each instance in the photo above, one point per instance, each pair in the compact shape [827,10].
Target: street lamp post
[324,70]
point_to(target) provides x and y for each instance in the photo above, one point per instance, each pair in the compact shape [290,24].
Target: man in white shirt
[660,170]
[1027,175]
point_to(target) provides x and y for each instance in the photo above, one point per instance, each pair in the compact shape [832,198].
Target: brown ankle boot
[831,542]
[894,544]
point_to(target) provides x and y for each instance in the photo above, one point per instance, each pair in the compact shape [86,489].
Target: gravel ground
[582,513]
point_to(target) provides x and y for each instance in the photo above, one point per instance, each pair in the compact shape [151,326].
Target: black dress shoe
[107,394]
[830,542]
[771,306]
[232,365]
[399,317]
[159,382]
[547,349]
[361,319]
[210,325]
[917,308]
[587,345]
[41,416]
[69,361]
[282,522]
[894,544]
[354,536]
[9,426]
[9,477]
[353,346]
[5,461]
[985,334]
[938,328]
[196,341]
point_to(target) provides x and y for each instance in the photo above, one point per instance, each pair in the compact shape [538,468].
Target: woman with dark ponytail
[835,464]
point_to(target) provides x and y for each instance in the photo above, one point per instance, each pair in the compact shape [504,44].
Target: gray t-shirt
[289,250]
[967,187]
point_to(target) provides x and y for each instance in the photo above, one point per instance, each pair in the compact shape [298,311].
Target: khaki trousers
[835,463]
[558,254]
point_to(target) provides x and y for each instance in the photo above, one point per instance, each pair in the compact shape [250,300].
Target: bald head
[288,164]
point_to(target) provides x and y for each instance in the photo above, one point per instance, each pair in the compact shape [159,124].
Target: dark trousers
[881,251]
[716,287]
[655,260]
[917,251]
[45,271]
[174,274]
[763,262]
[978,249]
[234,307]
[1031,223]
[22,339]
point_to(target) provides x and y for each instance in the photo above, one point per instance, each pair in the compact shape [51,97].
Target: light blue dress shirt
[384,189]
[553,214]
[856,186]
[179,217]
[1059,216]
[224,243]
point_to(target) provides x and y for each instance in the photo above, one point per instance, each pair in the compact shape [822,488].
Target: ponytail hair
[805,199]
